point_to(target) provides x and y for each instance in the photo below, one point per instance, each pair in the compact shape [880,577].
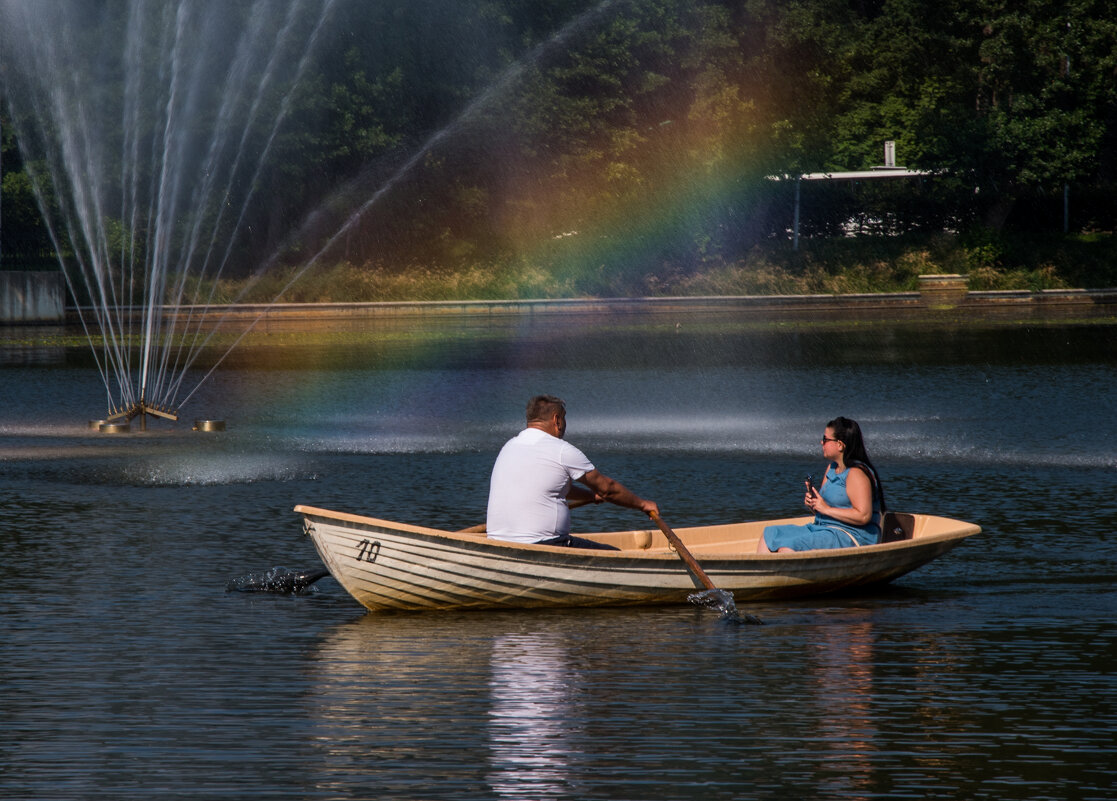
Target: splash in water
[723,602]
[279,580]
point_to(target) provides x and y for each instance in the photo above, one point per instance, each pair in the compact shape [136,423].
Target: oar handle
[684,554]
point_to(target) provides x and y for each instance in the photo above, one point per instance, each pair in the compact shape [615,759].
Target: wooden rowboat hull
[386,565]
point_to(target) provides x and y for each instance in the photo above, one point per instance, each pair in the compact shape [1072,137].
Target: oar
[725,598]
[683,553]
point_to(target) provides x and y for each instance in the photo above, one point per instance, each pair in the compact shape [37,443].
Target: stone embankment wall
[939,299]
[39,297]
[32,297]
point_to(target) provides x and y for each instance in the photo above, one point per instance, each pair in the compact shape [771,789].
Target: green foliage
[823,266]
[543,147]
[23,232]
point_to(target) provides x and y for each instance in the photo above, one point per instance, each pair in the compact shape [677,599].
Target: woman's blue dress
[825,531]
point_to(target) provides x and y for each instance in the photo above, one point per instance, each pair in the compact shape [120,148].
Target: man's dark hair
[544,407]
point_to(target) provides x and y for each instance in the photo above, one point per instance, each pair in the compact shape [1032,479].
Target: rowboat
[396,566]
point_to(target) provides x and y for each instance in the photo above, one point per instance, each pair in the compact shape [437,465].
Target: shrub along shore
[835,283]
[835,266]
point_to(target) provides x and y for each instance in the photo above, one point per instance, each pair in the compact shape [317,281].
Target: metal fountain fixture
[120,421]
[141,408]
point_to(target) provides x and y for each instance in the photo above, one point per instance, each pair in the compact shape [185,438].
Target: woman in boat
[848,505]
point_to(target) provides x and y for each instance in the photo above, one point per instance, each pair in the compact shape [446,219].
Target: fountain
[152,184]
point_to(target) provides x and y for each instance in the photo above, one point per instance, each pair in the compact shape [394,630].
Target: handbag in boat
[896,526]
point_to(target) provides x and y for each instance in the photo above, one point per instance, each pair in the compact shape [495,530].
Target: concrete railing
[933,303]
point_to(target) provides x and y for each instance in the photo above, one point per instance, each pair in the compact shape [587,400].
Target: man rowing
[532,484]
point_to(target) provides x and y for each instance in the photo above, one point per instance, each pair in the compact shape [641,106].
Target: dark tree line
[609,135]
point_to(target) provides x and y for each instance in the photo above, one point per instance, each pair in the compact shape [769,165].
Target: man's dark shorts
[567,541]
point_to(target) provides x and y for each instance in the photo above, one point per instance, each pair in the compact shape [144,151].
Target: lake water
[127,670]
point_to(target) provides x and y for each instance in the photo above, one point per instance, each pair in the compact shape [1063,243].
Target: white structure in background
[30,297]
[887,170]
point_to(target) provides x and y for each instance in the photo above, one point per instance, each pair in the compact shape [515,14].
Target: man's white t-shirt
[527,491]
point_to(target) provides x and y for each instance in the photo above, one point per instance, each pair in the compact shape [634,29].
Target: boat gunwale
[961,531]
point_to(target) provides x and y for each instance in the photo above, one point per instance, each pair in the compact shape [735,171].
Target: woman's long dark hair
[856,455]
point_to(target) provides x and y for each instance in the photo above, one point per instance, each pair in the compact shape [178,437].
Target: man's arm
[615,492]
[580,496]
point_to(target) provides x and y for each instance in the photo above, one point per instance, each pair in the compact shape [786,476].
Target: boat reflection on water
[416,694]
[530,720]
[390,699]
[880,702]
[841,686]
[525,705]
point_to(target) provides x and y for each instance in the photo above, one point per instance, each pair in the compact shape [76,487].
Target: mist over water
[912,411]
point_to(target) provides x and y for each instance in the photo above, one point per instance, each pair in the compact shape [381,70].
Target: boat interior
[737,538]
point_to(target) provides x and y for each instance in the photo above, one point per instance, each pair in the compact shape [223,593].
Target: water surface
[127,671]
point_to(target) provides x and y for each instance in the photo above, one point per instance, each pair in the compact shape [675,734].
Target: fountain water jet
[173,195]
[148,185]
[501,84]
